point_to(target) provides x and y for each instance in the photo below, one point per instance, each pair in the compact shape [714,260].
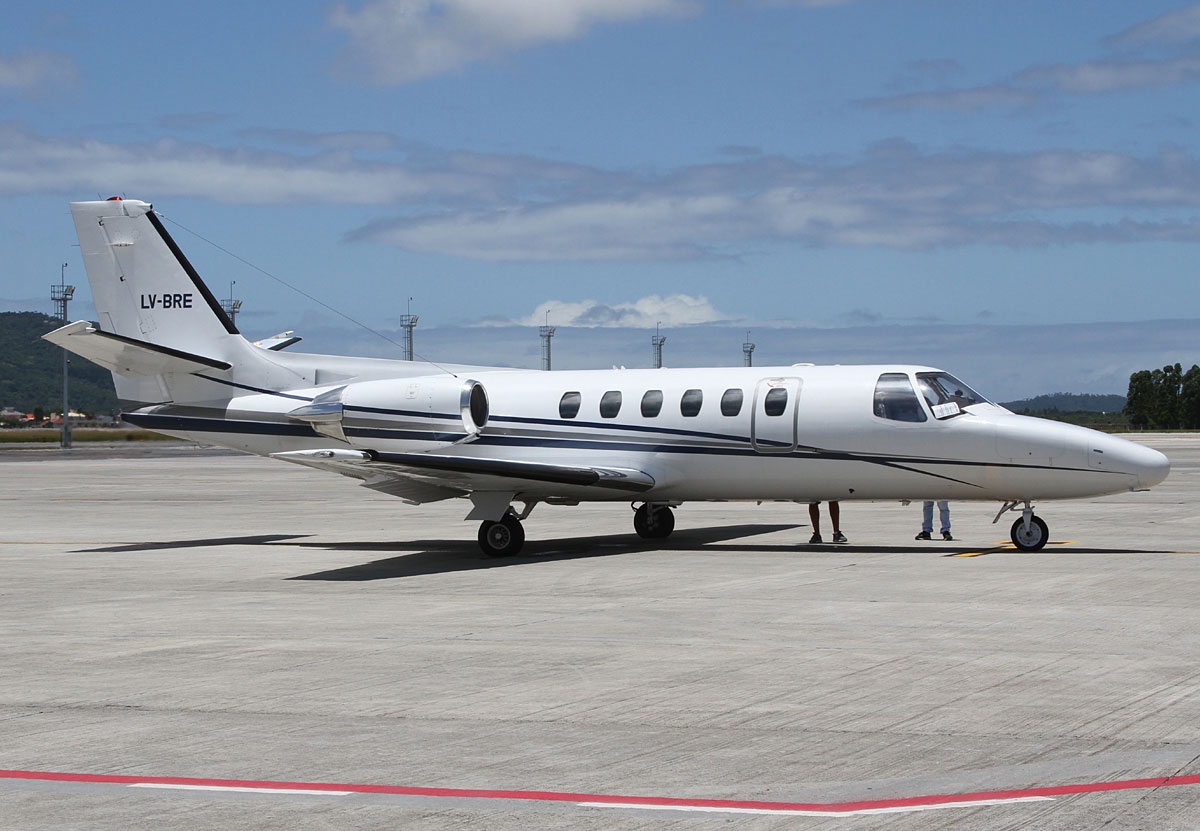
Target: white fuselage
[826,437]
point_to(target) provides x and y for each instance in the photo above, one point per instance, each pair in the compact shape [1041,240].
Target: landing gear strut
[503,538]
[653,522]
[1029,533]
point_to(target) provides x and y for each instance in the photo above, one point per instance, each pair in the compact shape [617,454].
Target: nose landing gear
[1029,532]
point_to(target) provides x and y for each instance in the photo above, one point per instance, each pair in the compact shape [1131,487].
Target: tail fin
[159,324]
[143,286]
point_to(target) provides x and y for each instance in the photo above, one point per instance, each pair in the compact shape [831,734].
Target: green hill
[31,370]
[1103,412]
[1069,402]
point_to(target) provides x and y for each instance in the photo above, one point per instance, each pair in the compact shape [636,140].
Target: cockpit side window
[947,396]
[895,398]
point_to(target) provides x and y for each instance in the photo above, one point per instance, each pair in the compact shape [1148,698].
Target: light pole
[748,350]
[657,341]
[61,295]
[546,332]
[408,322]
[232,306]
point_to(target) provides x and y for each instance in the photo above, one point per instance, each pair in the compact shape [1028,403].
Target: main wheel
[653,522]
[503,538]
[1030,539]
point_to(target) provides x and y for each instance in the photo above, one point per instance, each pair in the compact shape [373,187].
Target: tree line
[1164,399]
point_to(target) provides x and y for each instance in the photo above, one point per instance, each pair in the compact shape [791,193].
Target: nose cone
[1153,467]
[1148,466]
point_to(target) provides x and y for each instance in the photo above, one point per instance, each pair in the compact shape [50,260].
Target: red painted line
[655,801]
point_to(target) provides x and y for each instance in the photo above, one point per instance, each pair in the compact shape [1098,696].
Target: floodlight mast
[546,333]
[61,295]
[408,322]
[657,341]
[231,306]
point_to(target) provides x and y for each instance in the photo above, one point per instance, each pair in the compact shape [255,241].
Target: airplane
[499,437]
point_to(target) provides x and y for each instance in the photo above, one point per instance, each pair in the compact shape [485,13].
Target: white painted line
[897,809]
[230,788]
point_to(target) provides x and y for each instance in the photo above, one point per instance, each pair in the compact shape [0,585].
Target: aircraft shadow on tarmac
[443,556]
[162,545]
[423,557]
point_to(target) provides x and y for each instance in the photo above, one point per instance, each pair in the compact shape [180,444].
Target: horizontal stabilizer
[127,356]
[279,342]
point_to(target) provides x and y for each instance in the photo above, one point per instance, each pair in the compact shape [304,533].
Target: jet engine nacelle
[395,413]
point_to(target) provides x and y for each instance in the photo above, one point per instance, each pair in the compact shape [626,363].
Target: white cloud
[893,197]
[646,313]
[1096,77]
[1177,26]
[32,73]
[403,40]
[32,164]
[511,208]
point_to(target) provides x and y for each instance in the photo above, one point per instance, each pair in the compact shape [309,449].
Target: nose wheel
[1031,536]
[503,538]
[1028,533]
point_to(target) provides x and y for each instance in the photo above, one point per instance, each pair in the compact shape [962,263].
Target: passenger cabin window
[568,405]
[947,396]
[610,404]
[652,403]
[895,398]
[775,402]
[731,402]
[691,402]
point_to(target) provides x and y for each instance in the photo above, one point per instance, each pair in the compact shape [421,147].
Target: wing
[427,477]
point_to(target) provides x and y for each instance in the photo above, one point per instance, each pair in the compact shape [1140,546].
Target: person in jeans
[927,520]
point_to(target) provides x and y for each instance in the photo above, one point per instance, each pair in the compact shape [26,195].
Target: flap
[625,479]
[427,477]
[374,475]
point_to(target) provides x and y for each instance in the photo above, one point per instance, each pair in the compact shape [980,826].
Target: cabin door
[773,419]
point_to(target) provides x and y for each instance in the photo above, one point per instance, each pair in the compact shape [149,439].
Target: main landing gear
[1029,532]
[503,538]
[506,536]
[653,522]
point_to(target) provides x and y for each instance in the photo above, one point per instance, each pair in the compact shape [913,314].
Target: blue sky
[878,169]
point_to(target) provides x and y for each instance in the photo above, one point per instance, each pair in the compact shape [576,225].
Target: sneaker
[924,535]
[815,538]
[946,536]
[838,536]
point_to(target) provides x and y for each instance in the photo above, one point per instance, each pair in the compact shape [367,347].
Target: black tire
[502,539]
[1032,540]
[653,523]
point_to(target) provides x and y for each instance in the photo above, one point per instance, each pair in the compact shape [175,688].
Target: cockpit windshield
[947,396]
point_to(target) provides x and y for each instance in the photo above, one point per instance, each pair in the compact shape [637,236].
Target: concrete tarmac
[205,640]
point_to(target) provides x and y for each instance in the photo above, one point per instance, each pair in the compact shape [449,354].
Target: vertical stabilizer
[143,286]
[147,292]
